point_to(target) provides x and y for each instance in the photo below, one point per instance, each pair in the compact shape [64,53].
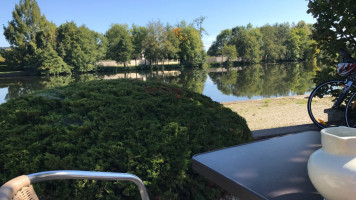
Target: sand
[272,112]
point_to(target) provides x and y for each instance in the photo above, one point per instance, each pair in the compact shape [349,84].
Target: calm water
[220,84]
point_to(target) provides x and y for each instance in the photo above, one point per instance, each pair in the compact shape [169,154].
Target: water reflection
[263,81]
[221,84]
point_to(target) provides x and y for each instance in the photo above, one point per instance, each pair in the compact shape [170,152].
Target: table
[274,168]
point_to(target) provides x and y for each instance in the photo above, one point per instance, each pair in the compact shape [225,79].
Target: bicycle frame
[340,99]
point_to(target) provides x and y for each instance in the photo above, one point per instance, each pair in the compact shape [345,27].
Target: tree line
[38,45]
[269,43]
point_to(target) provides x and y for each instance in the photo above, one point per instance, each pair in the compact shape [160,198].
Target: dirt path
[272,112]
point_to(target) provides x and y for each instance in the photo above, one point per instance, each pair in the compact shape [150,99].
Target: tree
[248,42]
[29,33]
[229,51]
[273,45]
[152,44]
[335,26]
[102,45]
[120,45]
[139,33]
[78,46]
[223,38]
[198,22]
[191,47]
[170,45]
[48,62]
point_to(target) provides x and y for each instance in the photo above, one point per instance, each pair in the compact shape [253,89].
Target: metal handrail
[92,175]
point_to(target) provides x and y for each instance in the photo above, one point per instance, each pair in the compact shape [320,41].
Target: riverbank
[272,112]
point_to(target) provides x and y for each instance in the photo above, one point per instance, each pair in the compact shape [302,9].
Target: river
[220,84]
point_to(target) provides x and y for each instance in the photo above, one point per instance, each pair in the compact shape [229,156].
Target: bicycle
[333,103]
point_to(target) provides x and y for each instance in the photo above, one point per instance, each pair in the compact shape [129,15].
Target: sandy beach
[272,112]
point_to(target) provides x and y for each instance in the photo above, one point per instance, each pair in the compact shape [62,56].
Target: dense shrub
[146,128]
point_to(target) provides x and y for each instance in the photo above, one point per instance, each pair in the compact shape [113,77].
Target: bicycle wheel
[350,112]
[321,101]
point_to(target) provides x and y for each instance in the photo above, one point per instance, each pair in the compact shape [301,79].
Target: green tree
[191,47]
[78,46]
[29,33]
[48,62]
[248,42]
[335,25]
[120,45]
[152,44]
[21,33]
[273,45]
[170,44]
[253,45]
[224,37]
[102,45]
[139,33]
[300,34]
[229,51]
[293,48]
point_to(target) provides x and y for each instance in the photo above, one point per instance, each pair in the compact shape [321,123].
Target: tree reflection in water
[256,80]
[266,80]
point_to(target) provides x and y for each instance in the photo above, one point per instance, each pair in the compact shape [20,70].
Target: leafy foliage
[49,62]
[138,33]
[30,35]
[269,43]
[38,46]
[191,47]
[334,29]
[229,51]
[120,46]
[78,46]
[26,33]
[153,42]
[335,26]
[146,128]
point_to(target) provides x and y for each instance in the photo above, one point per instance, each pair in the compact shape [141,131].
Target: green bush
[146,128]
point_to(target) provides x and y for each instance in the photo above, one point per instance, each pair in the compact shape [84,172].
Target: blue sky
[220,14]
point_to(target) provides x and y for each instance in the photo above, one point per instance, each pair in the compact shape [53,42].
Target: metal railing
[92,175]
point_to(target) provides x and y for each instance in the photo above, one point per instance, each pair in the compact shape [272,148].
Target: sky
[219,14]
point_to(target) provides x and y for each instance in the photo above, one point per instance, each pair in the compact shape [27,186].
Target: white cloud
[208,40]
